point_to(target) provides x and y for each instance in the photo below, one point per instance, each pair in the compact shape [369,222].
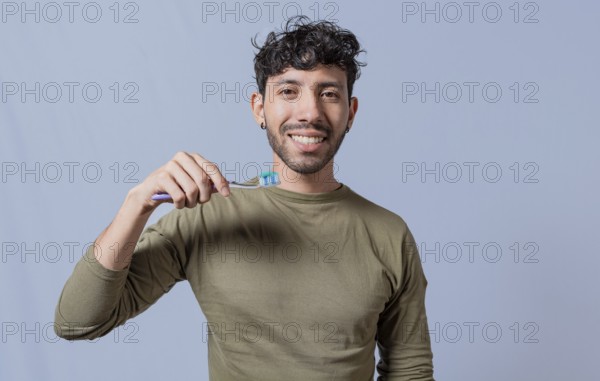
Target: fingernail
[225,191]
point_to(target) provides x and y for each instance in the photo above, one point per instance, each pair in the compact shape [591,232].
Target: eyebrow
[319,85]
[287,82]
[330,84]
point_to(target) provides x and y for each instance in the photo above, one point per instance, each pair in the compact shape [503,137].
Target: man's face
[306,114]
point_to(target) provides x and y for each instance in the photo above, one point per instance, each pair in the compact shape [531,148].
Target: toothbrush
[266,179]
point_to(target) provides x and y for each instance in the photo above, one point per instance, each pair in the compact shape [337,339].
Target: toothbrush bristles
[268,179]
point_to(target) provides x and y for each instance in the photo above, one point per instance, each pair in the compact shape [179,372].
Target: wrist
[136,205]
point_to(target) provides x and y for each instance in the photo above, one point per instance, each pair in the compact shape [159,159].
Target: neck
[318,182]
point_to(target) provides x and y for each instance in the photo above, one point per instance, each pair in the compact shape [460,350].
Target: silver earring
[262,126]
[347,129]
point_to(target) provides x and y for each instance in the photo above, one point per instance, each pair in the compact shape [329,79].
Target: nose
[308,108]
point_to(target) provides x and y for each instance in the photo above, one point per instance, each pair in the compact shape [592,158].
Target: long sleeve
[402,331]
[95,299]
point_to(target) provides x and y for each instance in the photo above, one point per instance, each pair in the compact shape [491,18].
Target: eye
[330,96]
[288,93]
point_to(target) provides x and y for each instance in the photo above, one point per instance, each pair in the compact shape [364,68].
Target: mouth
[307,141]
[304,139]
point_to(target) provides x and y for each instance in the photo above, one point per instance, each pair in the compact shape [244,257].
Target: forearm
[115,245]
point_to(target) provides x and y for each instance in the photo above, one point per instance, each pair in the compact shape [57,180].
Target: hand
[188,178]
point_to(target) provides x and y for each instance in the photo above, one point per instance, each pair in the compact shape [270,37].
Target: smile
[307,139]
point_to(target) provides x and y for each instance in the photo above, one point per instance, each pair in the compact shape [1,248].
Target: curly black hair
[303,44]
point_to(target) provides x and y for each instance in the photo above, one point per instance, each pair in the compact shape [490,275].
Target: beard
[306,162]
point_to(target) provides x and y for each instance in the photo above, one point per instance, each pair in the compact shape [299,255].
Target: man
[298,282]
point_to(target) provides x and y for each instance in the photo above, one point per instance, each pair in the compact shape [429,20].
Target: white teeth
[307,139]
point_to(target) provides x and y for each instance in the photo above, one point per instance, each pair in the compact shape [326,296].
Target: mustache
[305,126]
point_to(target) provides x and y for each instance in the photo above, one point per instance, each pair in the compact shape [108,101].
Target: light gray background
[493,315]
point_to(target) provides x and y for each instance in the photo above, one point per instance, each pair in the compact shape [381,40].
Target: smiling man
[302,281]
[309,111]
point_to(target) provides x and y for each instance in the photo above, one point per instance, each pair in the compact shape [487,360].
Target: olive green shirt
[294,286]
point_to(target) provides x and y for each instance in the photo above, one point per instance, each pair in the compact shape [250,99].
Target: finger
[213,172]
[200,178]
[167,183]
[185,182]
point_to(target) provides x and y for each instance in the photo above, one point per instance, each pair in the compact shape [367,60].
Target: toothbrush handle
[266,179]
[166,196]
[161,196]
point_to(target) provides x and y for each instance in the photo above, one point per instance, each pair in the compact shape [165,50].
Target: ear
[258,107]
[352,111]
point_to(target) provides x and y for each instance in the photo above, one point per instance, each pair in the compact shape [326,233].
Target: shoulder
[396,241]
[376,214]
